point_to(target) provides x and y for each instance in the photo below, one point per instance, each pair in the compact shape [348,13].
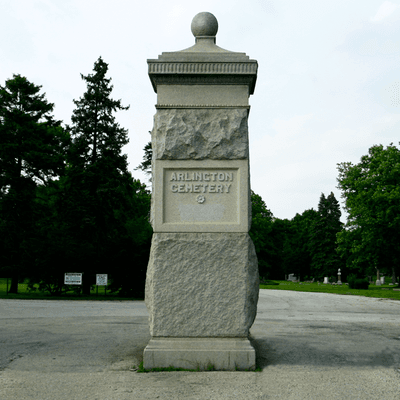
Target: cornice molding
[160,67]
[163,106]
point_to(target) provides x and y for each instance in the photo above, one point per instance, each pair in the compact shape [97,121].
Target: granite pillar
[202,278]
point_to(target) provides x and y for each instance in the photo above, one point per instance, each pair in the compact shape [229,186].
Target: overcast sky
[327,87]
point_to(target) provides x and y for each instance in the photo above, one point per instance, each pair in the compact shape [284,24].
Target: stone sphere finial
[204,24]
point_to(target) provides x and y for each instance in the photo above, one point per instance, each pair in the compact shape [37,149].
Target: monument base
[200,353]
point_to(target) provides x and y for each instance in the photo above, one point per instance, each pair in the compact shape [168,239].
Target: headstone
[378,279]
[292,278]
[326,279]
[202,278]
[382,280]
[339,280]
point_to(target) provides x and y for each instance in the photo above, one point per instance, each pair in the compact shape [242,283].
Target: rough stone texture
[202,285]
[197,134]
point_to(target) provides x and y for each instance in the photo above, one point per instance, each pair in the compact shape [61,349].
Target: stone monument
[202,279]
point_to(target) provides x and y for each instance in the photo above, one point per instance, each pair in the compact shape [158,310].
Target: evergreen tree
[260,233]
[322,245]
[296,251]
[31,152]
[145,165]
[279,234]
[99,189]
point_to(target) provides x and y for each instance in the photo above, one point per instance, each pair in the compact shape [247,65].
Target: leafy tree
[322,244]
[355,264]
[134,250]
[31,152]
[371,190]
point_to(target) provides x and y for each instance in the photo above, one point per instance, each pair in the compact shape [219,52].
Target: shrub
[355,283]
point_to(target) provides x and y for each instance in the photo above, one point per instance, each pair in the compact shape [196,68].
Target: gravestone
[326,279]
[378,279]
[202,278]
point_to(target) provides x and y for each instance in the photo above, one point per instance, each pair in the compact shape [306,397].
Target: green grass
[383,292]
[140,369]
[24,293]
[210,367]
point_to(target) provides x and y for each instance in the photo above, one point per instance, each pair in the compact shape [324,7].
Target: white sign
[101,279]
[73,279]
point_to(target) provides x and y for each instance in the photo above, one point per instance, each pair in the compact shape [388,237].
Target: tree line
[69,204]
[316,243]
[67,200]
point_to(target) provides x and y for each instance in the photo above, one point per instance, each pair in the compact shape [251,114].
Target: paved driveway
[309,345]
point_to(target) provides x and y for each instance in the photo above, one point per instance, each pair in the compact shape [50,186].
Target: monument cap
[204,24]
[204,63]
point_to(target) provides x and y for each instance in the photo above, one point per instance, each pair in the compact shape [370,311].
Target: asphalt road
[309,345]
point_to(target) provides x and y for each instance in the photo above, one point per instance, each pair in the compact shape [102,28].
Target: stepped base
[200,353]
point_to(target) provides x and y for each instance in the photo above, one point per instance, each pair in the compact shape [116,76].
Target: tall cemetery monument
[202,279]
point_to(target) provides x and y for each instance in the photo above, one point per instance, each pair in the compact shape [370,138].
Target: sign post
[102,280]
[73,278]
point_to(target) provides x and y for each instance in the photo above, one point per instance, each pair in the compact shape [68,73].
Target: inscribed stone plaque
[201,196]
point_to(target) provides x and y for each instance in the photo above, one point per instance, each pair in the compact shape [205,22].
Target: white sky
[327,87]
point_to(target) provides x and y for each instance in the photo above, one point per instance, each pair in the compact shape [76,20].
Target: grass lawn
[24,293]
[384,292]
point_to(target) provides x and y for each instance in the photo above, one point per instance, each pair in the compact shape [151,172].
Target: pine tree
[31,153]
[296,252]
[322,245]
[102,194]
[145,165]
[260,233]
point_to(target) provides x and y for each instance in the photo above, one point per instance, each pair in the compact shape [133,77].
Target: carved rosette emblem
[200,199]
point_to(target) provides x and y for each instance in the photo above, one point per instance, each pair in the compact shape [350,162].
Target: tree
[296,250]
[145,165]
[31,152]
[281,229]
[99,190]
[371,190]
[260,233]
[325,260]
